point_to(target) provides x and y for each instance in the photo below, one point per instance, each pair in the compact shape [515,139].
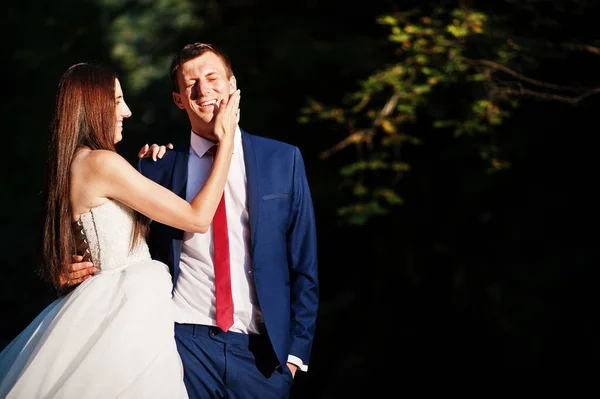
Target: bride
[112,336]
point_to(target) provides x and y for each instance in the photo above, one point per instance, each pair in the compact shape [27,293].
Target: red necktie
[224,303]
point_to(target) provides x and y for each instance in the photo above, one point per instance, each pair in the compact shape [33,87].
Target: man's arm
[302,251]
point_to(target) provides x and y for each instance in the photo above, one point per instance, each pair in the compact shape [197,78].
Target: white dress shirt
[194,294]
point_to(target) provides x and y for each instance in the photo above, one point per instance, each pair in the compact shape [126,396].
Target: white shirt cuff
[298,362]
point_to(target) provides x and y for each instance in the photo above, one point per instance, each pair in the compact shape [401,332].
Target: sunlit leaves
[360,213]
[432,57]
[466,22]
[356,167]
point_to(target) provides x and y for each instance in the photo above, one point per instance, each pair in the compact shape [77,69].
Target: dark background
[474,271]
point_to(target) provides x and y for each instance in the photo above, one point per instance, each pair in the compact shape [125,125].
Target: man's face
[203,83]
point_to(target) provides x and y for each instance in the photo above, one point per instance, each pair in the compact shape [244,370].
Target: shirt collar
[200,145]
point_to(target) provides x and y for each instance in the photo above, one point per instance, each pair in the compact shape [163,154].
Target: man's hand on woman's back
[155,151]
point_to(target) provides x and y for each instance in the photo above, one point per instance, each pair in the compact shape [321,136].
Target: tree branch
[551,97]
[353,138]
[519,76]
[364,135]
[582,47]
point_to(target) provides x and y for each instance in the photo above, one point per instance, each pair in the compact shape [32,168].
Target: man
[272,247]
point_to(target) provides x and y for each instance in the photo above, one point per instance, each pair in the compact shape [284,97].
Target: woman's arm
[109,175]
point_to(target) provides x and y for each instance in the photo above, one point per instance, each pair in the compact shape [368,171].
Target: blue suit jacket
[283,243]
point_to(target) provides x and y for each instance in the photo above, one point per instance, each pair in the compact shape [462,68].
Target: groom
[272,241]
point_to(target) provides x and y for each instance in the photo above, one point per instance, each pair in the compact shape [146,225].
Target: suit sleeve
[139,166]
[302,254]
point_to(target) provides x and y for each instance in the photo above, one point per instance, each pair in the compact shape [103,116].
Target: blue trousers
[230,365]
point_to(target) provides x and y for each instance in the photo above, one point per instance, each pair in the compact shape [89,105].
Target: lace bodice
[104,235]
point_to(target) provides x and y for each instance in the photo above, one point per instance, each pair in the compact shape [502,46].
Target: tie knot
[213,150]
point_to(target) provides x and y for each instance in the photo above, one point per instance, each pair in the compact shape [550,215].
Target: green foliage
[441,77]
[142,36]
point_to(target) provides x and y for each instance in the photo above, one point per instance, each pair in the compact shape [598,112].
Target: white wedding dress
[111,337]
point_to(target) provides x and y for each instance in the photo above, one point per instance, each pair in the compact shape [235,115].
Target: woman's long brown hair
[84,115]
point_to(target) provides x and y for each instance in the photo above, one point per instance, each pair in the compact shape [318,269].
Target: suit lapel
[180,170]
[252,188]
[178,186]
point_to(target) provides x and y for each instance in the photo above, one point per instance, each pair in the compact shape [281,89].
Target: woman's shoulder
[100,159]
[97,166]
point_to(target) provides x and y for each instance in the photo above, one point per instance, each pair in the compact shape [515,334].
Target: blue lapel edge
[250,159]
[178,186]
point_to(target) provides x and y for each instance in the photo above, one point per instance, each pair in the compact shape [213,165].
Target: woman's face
[122,111]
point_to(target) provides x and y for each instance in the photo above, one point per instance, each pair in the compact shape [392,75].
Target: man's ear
[232,84]
[177,100]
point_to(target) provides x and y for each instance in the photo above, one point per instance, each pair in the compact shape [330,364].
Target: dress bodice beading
[104,236]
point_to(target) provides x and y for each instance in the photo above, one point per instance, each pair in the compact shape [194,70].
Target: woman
[112,336]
